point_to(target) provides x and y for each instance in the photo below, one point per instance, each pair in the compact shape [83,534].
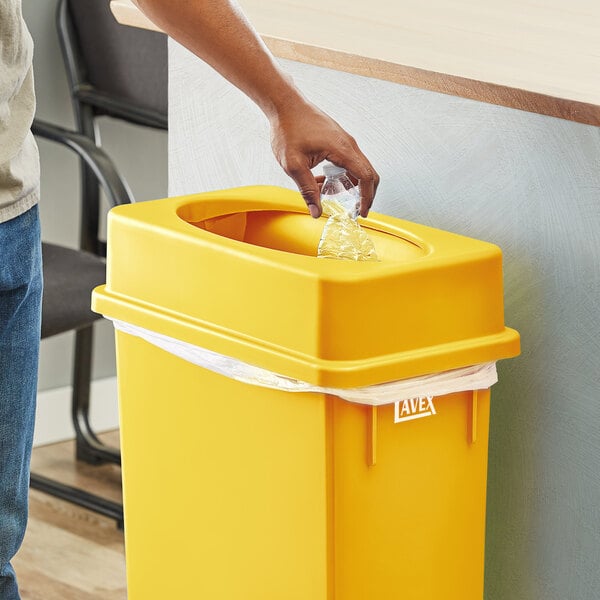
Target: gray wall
[140,154]
[529,183]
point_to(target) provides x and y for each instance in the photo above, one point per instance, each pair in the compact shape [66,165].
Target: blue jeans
[20,317]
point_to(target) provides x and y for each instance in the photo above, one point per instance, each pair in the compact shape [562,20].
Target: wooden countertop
[537,55]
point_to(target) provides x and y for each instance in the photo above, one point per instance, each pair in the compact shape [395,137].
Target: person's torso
[19,169]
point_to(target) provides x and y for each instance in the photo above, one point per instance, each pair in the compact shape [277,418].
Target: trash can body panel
[411,525]
[230,486]
[224,484]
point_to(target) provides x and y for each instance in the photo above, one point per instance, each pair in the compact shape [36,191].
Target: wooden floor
[70,553]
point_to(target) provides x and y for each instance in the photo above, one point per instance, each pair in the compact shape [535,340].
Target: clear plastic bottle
[342,236]
[338,187]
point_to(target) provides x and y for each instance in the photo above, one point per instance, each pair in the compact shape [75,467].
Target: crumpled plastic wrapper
[343,237]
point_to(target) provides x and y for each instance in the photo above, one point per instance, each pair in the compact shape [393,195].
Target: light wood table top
[534,55]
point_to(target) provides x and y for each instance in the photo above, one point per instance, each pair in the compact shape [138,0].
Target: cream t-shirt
[19,162]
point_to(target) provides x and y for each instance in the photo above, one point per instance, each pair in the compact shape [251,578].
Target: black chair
[69,277]
[113,71]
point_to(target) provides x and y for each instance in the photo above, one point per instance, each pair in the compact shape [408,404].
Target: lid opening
[297,233]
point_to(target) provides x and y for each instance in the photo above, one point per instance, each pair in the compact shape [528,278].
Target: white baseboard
[53,418]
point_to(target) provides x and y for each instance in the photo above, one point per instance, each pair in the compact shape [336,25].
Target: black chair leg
[89,448]
[108,508]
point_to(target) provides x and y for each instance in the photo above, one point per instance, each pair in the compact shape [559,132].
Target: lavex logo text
[413,408]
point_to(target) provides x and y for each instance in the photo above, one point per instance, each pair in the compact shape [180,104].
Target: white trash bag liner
[477,377]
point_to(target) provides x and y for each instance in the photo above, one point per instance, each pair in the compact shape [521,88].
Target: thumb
[309,188]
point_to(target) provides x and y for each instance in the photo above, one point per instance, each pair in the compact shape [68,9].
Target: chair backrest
[112,70]
[116,70]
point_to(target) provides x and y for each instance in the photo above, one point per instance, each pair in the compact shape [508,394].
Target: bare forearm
[301,134]
[219,33]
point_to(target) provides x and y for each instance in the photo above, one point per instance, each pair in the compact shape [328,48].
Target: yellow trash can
[235,491]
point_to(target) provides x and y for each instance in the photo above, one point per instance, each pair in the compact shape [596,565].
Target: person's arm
[301,135]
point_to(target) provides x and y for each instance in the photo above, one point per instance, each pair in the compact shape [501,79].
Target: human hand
[302,136]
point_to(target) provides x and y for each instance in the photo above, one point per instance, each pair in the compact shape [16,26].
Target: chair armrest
[116,189]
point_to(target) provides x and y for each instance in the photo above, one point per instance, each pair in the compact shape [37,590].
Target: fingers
[367,187]
[361,172]
[308,187]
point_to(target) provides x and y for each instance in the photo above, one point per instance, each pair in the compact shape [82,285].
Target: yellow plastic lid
[235,271]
